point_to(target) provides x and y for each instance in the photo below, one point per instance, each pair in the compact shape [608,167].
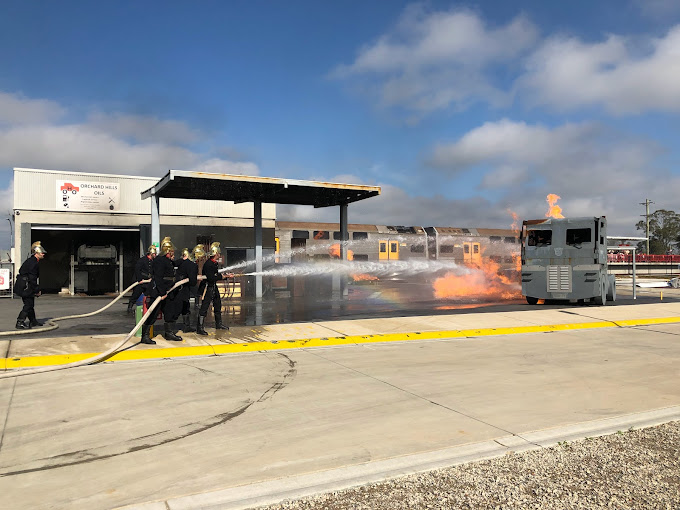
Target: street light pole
[646,204]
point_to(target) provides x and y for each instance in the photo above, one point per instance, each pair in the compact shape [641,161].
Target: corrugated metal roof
[244,188]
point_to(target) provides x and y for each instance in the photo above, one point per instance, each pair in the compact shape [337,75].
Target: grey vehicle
[566,258]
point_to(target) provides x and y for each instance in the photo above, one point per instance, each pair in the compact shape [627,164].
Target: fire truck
[566,259]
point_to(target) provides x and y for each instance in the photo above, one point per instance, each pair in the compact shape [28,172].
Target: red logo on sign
[69,187]
[2,280]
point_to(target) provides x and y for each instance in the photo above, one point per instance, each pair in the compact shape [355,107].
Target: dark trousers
[28,309]
[170,306]
[186,307]
[212,295]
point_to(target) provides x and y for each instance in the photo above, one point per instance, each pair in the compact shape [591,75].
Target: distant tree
[664,231]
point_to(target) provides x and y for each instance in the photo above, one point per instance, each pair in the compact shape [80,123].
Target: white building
[95,226]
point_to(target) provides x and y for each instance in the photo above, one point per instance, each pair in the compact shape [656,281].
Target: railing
[642,257]
[6,280]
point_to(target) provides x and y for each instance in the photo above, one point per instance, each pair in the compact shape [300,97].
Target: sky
[463,112]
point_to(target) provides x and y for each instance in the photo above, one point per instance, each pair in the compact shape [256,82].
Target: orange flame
[363,277]
[515,221]
[319,234]
[484,280]
[334,252]
[554,211]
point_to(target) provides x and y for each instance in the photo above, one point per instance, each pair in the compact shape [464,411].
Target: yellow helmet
[215,248]
[199,251]
[36,247]
[186,252]
[152,250]
[166,246]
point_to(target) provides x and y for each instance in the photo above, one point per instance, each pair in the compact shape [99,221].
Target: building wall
[35,205]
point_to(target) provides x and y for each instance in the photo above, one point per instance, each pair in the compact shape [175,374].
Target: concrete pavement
[158,431]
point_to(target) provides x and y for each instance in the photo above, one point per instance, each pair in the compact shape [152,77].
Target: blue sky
[461,111]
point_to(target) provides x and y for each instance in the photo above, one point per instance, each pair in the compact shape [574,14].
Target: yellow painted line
[211,350]
[44,361]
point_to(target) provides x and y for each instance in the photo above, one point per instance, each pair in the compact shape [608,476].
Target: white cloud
[221,166]
[144,128]
[596,170]
[18,110]
[621,74]
[432,60]
[105,143]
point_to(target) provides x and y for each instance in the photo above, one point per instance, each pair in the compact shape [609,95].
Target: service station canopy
[244,188]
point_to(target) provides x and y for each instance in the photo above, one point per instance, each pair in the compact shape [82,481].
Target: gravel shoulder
[631,469]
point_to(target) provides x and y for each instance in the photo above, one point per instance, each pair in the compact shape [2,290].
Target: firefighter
[186,268]
[163,278]
[142,272]
[199,257]
[211,292]
[28,286]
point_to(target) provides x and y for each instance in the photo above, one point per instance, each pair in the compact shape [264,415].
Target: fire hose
[101,356]
[51,322]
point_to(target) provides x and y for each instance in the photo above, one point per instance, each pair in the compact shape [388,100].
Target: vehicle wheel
[601,300]
[611,295]
[532,300]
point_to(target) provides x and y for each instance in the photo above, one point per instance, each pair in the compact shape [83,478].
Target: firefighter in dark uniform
[142,272]
[212,293]
[163,278]
[199,258]
[186,268]
[28,286]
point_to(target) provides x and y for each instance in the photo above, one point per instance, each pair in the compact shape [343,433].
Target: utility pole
[646,215]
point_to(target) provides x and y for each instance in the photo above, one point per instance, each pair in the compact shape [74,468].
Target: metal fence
[6,280]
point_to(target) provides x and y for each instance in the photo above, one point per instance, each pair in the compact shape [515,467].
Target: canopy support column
[155,220]
[257,216]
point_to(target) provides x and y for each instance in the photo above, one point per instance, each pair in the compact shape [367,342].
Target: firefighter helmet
[215,249]
[186,253]
[199,251]
[167,246]
[152,250]
[36,247]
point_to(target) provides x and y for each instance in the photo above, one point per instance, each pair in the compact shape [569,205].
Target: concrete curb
[219,349]
[296,487]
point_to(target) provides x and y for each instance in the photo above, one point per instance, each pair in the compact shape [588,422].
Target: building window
[417,248]
[359,236]
[447,248]
[321,234]
[337,236]
[495,239]
[509,240]
[360,257]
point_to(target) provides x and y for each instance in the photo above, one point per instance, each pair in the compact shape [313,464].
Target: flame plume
[554,210]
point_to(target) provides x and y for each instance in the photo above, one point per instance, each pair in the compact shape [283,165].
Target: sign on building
[87,196]
[4,279]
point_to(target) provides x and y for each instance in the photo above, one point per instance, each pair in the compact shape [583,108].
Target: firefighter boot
[21,324]
[187,324]
[218,322]
[170,332]
[32,321]
[200,329]
[146,335]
